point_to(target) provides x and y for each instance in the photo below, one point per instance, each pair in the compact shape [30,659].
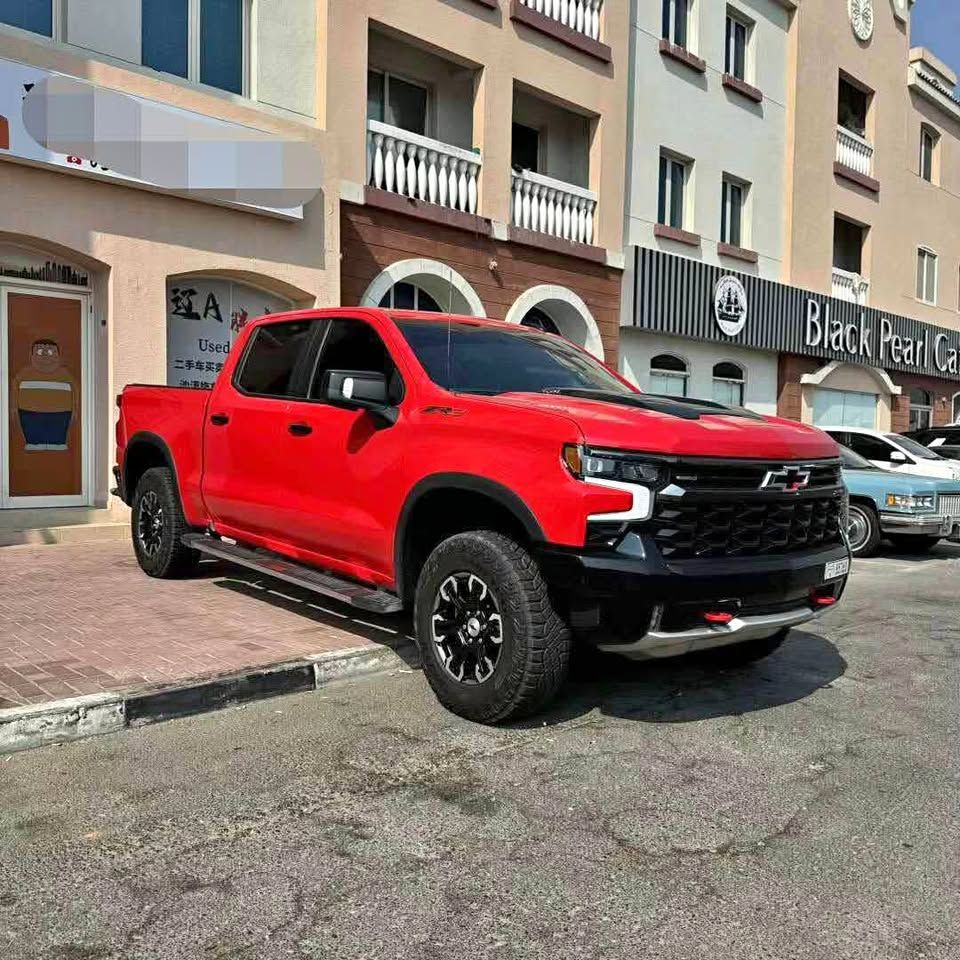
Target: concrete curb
[22,728]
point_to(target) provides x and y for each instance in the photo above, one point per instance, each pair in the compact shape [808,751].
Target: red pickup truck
[511,489]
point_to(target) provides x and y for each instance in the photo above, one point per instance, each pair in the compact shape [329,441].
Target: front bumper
[631,601]
[921,525]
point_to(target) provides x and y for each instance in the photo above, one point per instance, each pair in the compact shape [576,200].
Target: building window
[398,102]
[956,408]
[728,384]
[671,202]
[206,41]
[921,409]
[732,204]
[844,408]
[926,275]
[852,105]
[536,319]
[407,296]
[738,37]
[668,375]
[525,148]
[676,21]
[848,238]
[928,146]
[37,16]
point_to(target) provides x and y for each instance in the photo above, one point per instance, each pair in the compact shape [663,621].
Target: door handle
[300,429]
[219,419]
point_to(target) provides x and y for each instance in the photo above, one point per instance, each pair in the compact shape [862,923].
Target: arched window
[728,382]
[408,296]
[956,408]
[539,320]
[921,409]
[668,375]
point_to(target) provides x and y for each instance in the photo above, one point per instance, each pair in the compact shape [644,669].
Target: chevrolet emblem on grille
[790,479]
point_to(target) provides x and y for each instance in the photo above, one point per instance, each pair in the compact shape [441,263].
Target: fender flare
[469,483]
[149,439]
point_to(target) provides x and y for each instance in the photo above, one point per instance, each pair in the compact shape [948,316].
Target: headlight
[612,465]
[926,501]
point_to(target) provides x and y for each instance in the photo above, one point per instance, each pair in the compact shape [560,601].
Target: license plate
[837,568]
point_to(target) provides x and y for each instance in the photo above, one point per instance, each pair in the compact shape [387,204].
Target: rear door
[247,465]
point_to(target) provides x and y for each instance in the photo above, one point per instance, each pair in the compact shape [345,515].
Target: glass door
[45,398]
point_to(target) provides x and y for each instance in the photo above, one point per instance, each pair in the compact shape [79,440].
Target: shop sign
[681,297]
[204,317]
[18,79]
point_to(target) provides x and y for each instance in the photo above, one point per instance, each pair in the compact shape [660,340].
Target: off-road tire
[743,654]
[867,516]
[536,642]
[169,558]
[913,545]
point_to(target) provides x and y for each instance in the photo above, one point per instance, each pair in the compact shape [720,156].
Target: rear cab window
[276,360]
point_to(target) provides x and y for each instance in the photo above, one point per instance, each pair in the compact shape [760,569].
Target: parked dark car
[942,440]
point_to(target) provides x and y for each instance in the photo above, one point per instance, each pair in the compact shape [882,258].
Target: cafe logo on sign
[730,305]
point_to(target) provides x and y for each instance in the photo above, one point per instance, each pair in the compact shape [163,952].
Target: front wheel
[913,545]
[863,530]
[157,524]
[493,647]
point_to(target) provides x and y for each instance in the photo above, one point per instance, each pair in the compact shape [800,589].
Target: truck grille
[740,528]
[701,476]
[950,505]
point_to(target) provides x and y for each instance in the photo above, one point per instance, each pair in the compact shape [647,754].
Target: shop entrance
[45,398]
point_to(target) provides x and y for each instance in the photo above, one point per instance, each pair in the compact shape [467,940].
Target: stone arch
[568,312]
[442,282]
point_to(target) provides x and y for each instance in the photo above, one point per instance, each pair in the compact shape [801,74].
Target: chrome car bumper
[922,525]
[659,643]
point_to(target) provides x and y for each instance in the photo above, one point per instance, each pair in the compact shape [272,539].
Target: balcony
[552,207]
[850,287]
[854,159]
[414,166]
[583,16]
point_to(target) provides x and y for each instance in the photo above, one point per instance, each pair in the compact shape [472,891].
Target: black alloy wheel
[467,628]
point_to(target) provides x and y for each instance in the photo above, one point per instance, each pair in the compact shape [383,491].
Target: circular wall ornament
[730,305]
[861,18]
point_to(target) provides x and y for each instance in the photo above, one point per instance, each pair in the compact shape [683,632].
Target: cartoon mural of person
[46,398]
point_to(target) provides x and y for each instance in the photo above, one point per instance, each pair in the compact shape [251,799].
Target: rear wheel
[157,524]
[493,647]
[742,654]
[914,545]
[863,530]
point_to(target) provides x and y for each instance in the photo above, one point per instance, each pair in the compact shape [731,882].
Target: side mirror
[897,457]
[358,390]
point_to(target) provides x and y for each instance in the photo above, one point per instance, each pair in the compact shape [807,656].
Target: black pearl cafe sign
[687,298]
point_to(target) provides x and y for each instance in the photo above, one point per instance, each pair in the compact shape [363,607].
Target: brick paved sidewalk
[82,618]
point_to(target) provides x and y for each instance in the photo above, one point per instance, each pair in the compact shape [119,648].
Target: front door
[44,395]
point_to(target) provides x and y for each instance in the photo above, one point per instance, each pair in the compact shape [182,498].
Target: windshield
[853,461]
[490,360]
[916,449]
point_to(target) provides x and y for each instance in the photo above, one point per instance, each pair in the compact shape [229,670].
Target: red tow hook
[718,618]
[822,596]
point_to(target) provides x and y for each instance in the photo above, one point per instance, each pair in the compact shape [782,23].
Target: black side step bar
[273,565]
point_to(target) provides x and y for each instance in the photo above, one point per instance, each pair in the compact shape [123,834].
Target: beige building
[480,158]
[873,211]
[106,280]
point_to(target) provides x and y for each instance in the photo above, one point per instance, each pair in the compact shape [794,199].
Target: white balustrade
[580,15]
[854,152]
[850,286]
[553,207]
[420,168]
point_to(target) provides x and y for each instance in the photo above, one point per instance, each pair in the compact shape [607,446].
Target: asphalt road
[807,807]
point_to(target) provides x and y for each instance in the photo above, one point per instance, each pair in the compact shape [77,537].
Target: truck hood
[678,427]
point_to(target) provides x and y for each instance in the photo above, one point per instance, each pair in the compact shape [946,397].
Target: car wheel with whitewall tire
[863,529]
[747,652]
[492,645]
[157,524]
[913,545]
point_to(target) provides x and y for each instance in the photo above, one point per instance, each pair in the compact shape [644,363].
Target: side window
[872,448]
[275,360]
[355,345]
